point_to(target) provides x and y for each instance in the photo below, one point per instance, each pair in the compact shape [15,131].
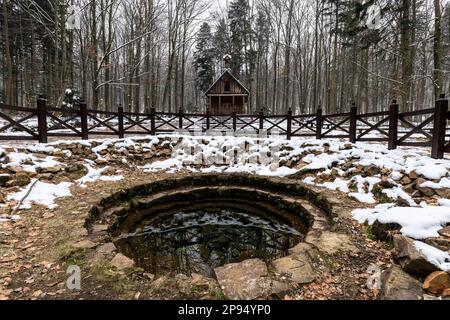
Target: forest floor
[42,229]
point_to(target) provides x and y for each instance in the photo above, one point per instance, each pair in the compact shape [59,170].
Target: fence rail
[422,128]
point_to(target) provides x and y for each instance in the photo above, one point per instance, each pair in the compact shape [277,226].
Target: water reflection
[198,242]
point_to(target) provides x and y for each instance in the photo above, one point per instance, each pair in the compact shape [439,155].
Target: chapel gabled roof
[233,77]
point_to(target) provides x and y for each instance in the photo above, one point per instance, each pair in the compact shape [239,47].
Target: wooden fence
[423,128]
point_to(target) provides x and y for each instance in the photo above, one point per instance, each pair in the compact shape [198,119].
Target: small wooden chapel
[227,94]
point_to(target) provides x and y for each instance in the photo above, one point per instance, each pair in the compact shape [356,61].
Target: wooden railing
[423,128]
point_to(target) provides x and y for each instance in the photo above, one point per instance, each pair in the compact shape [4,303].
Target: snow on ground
[417,223]
[270,157]
[95,175]
[41,193]
[437,257]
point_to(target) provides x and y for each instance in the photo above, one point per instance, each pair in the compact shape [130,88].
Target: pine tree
[240,28]
[222,41]
[203,58]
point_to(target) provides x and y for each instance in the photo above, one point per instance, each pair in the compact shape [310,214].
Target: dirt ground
[38,249]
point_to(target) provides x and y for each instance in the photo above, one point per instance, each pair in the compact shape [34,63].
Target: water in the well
[199,241]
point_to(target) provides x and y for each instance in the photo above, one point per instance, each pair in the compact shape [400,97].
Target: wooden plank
[12,138]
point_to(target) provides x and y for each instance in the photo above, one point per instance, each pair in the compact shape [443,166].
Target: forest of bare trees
[295,54]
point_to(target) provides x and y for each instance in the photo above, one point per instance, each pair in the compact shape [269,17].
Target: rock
[437,282]
[203,282]
[426,191]
[37,294]
[20,180]
[247,280]
[296,268]
[442,243]
[4,178]
[107,248]
[413,175]
[101,161]
[348,146]
[443,193]
[58,154]
[52,169]
[331,243]
[15,169]
[410,258]
[385,232]
[410,188]
[445,232]
[372,171]
[346,166]
[76,170]
[386,183]
[405,181]
[99,228]
[85,244]
[398,285]
[304,248]
[47,176]
[121,262]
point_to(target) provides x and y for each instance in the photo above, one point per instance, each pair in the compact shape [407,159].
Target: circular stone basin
[200,240]
[196,224]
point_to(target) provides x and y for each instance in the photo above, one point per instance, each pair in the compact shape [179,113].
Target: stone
[413,175]
[15,169]
[47,176]
[304,248]
[121,262]
[410,259]
[4,178]
[296,268]
[385,232]
[101,161]
[372,171]
[107,248]
[331,243]
[76,167]
[437,282]
[85,244]
[410,188]
[405,181]
[443,193]
[426,191]
[398,285]
[99,228]
[248,280]
[20,180]
[445,232]
[442,243]
[52,169]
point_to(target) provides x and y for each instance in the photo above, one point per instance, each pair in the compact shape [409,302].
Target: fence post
[234,122]
[84,120]
[289,124]
[180,119]
[319,122]
[121,127]
[440,124]
[42,119]
[261,121]
[393,125]
[153,120]
[208,119]
[353,122]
